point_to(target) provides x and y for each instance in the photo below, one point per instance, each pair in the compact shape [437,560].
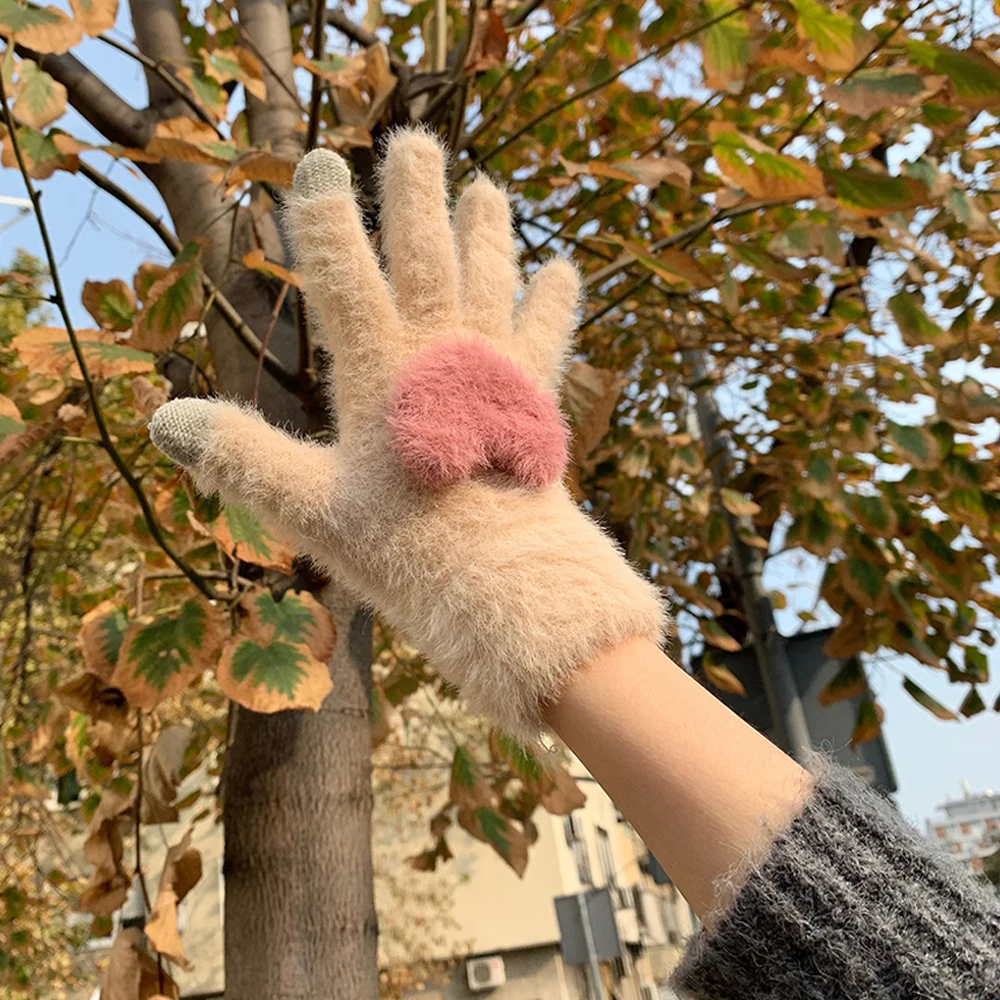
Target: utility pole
[769,646]
[594,967]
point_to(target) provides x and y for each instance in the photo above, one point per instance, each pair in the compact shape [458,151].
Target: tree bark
[300,913]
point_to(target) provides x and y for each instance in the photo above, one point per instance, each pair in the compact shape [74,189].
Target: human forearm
[699,785]
[814,888]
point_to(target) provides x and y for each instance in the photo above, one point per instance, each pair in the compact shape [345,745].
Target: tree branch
[222,305]
[102,428]
[158,36]
[275,120]
[167,78]
[113,117]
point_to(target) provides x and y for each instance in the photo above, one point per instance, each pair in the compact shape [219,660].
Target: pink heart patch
[460,407]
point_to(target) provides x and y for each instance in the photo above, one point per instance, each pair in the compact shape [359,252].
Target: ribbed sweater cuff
[850,903]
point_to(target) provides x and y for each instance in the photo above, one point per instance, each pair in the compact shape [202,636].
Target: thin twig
[593,88]
[683,238]
[278,303]
[102,427]
[167,77]
[316,95]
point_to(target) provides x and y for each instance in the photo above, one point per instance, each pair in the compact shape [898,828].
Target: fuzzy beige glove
[442,501]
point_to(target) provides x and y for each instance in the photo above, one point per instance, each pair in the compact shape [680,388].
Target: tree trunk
[297,798]
[300,914]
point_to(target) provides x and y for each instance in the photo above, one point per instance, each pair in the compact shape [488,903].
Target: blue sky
[97,239]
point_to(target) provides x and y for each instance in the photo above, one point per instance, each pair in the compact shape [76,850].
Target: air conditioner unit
[485,973]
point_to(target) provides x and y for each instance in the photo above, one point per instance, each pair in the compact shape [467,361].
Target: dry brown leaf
[256,261]
[344,71]
[559,792]
[104,849]
[489,42]
[161,775]
[591,394]
[47,733]
[181,871]
[47,351]
[185,139]
[132,973]
[72,417]
[362,104]
[52,31]
[261,165]
[646,170]
[95,16]
[148,397]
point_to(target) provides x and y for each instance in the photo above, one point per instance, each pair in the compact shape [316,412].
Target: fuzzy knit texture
[496,575]
[849,903]
[460,408]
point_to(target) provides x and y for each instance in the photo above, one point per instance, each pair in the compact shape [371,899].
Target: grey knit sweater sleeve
[850,903]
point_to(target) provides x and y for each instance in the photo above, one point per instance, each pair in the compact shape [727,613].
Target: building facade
[513,947]
[969,827]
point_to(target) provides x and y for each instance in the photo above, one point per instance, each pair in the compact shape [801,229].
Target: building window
[940,832]
[578,845]
[606,857]
[991,824]
[966,828]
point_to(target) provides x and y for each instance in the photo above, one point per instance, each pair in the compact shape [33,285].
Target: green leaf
[716,534]
[521,760]
[174,299]
[914,445]
[243,537]
[875,514]
[725,46]
[838,42]
[863,580]
[278,659]
[868,193]
[928,701]
[915,326]
[976,665]
[468,789]
[489,826]
[868,723]
[160,656]
[279,666]
[717,636]
[10,418]
[290,618]
[101,634]
[848,682]
[973,703]
[737,504]
[974,78]
[111,303]
[44,29]
[814,531]
[161,649]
